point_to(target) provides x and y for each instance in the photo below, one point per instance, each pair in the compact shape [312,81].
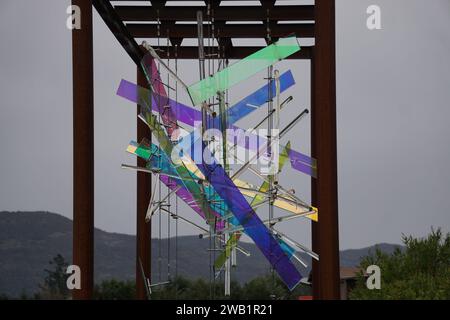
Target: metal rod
[153,171]
[268,222]
[294,255]
[145,280]
[276,116]
[293,123]
[300,202]
[153,53]
[264,147]
[285,102]
[298,245]
[150,208]
[184,219]
[201,51]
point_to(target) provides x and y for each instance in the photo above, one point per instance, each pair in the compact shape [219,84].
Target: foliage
[420,271]
[55,286]
[4,297]
[260,288]
[115,290]
[263,288]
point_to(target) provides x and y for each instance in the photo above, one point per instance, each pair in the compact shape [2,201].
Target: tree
[260,288]
[420,271]
[264,288]
[55,286]
[115,290]
[4,297]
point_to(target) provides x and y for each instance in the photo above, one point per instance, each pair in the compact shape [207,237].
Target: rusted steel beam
[325,233]
[224,13]
[83,150]
[231,52]
[118,29]
[143,192]
[142,30]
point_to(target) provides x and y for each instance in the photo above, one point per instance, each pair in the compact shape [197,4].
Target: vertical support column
[83,150]
[143,229]
[325,233]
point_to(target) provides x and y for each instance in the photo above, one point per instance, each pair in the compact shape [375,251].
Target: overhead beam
[141,30]
[159,1]
[225,13]
[118,29]
[130,45]
[232,52]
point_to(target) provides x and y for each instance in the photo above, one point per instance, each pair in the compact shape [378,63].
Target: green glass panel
[243,69]
[143,151]
[222,258]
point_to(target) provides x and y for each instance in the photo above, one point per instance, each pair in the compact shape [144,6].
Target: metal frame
[125,22]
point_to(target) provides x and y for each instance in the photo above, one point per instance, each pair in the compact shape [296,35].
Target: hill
[29,240]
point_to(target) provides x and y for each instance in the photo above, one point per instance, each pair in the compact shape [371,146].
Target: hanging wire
[269,140]
[171,182]
[211,275]
[176,198]
[212,59]
[225,65]
[160,166]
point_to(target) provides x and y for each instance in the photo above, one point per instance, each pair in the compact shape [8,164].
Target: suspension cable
[176,198]
[269,142]
[171,181]
[160,165]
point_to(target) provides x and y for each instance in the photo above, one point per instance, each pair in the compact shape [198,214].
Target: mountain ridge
[29,240]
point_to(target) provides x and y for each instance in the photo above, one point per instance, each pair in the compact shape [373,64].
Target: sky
[393,106]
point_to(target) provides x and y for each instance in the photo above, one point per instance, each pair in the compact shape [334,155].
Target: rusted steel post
[325,233]
[83,150]
[143,229]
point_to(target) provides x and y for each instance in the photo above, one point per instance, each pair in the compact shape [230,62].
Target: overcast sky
[392,104]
